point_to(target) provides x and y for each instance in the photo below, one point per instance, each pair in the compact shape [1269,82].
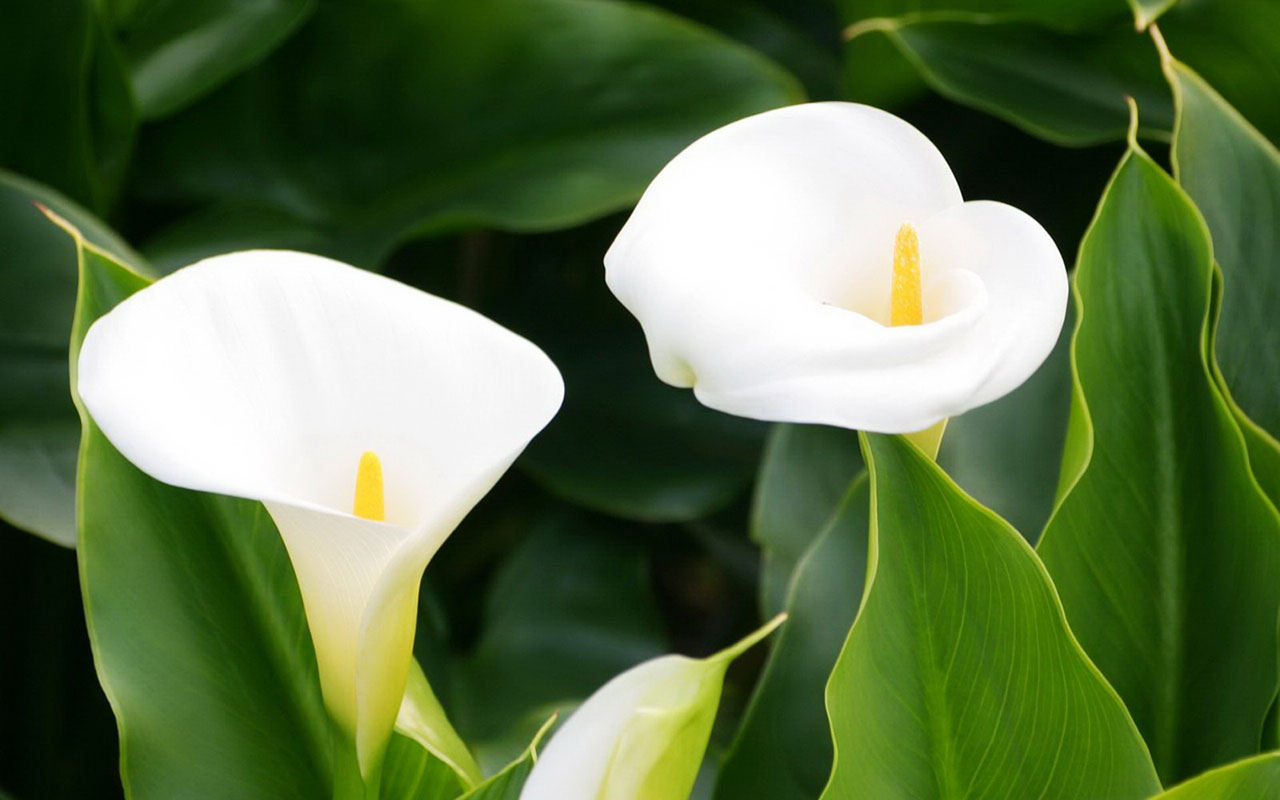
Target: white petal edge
[265,375]
[574,764]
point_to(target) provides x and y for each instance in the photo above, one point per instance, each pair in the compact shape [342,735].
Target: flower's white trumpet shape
[816,263]
[367,416]
[642,735]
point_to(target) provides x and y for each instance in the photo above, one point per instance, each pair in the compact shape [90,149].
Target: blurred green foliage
[484,150]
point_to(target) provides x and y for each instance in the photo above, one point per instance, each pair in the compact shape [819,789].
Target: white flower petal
[266,375]
[1025,280]
[642,735]
[575,763]
[759,263]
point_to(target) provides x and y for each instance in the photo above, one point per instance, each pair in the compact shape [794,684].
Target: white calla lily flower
[367,416]
[817,263]
[642,735]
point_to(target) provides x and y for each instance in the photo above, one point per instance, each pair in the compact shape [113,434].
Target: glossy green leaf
[178,51]
[804,476]
[380,121]
[1006,454]
[66,115]
[1253,777]
[39,432]
[569,608]
[1232,173]
[1165,551]
[1068,88]
[782,750]
[960,677]
[1235,46]
[410,772]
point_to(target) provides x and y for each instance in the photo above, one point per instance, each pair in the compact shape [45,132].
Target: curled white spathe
[265,375]
[759,264]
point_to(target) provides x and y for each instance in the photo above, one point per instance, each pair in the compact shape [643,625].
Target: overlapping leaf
[66,113]
[178,51]
[1253,777]
[1232,173]
[1068,88]
[1163,547]
[372,124]
[804,477]
[960,677]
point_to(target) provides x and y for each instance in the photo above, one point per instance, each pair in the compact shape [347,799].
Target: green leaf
[1006,454]
[178,51]
[1235,45]
[39,432]
[960,677]
[569,608]
[1232,173]
[66,116]
[1165,551]
[1068,88]
[382,121]
[804,477]
[411,772]
[782,750]
[1253,777]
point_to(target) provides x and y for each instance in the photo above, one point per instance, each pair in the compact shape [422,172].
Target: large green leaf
[1235,45]
[1232,173]
[383,120]
[1068,88]
[39,432]
[960,677]
[1165,551]
[178,50]
[66,115]
[804,476]
[1253,777]
[782,750]
[194,614]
